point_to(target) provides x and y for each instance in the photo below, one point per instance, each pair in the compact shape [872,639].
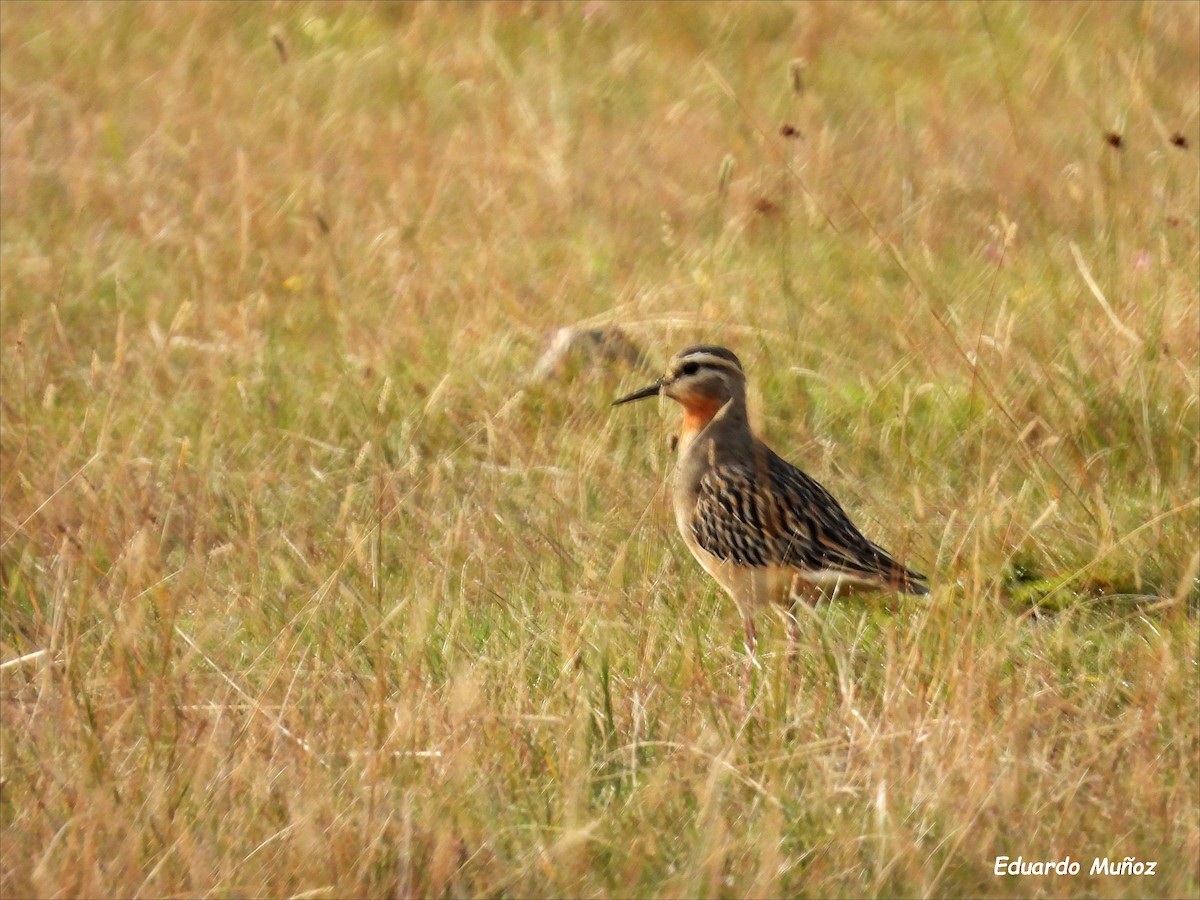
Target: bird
[767,532]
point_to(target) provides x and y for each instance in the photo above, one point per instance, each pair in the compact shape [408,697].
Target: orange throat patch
[697,413]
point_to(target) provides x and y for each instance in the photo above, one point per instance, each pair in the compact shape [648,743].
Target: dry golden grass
[308,592]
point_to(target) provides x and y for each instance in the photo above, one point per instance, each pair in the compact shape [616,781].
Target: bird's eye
[691,368]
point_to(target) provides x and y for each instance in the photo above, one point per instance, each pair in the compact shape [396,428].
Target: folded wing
[793,522]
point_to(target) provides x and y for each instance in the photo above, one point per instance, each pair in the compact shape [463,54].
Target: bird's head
[699,378]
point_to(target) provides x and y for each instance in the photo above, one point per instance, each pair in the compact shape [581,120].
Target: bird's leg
[808,594]
[793,630]
[751,646]
[751,635]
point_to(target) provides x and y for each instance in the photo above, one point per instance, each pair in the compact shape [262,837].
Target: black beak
[651,391]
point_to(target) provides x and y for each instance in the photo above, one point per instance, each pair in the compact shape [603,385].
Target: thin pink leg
[751,647]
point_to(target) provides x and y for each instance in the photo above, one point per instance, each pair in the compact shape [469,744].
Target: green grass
[329,599]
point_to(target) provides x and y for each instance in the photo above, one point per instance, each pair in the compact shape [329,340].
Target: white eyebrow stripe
[708,359]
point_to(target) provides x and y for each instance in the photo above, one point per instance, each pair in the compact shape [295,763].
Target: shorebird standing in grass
[767,532]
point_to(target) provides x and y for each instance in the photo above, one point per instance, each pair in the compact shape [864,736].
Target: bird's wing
[793,522]
[730,517]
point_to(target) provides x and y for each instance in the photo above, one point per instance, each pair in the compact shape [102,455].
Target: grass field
[310,590]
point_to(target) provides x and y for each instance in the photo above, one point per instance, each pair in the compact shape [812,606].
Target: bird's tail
[906,581]
[897,576]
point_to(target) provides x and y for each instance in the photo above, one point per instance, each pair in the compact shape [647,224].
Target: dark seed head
[796,76]
[765,207]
